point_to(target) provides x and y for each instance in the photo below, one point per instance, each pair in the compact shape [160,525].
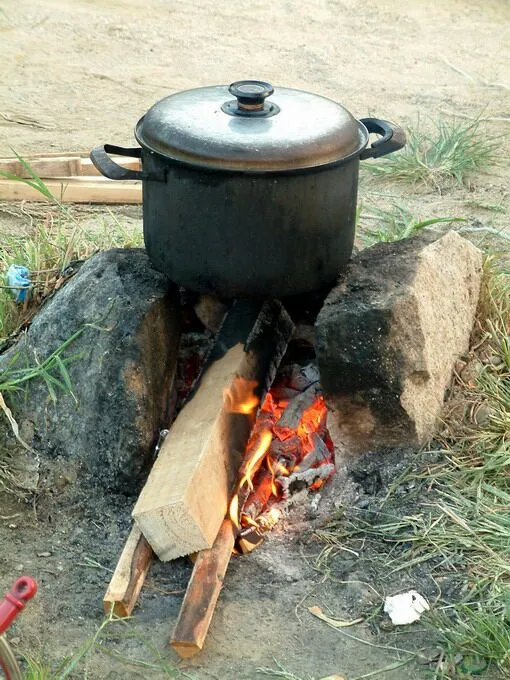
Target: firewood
[281,393]
[249,539]
[289,449]
[202,593]
[319,455]
[259,497]
[305,479]
[291,417]
[186,497]
[129,575]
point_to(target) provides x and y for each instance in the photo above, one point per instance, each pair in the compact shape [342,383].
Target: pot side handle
[392,138]
[109,168]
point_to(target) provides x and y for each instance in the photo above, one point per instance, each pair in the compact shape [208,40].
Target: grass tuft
[444,153]
[395,223]
[280,672]
[111,628]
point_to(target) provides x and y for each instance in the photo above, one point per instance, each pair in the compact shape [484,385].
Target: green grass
[378,224]
[280,671]
[438,155]
[110,630]
[48,249]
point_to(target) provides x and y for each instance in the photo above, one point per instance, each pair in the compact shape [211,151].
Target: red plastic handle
[23,589]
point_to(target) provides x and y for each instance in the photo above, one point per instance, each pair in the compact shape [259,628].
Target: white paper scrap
[405,608]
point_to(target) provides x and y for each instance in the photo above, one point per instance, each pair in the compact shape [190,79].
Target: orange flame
[250,467]
[279,461]
[233,511]
[240,397]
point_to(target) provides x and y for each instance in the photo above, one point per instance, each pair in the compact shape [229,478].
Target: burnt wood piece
[299,377]
[249,539]
[292,415]
[259,497]
[303,480]
[202,593]
[129,575]
[286,451]
[319,455]
[210,311]
[186,496]
[282,393]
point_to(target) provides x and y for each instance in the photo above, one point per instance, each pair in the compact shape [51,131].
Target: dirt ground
[78,74]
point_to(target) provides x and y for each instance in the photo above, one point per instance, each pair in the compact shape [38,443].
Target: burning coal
[289,449]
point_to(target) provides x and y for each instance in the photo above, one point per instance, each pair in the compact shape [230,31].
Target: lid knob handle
[250,94]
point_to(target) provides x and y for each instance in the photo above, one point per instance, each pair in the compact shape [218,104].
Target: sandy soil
[77,74]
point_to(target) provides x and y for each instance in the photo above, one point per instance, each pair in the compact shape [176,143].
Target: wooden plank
[44,167]
[202,594]
[61,166]
[129,575]
[58,154]
[185,499]
[75,190]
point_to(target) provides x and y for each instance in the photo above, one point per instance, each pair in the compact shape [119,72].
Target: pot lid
[251,127]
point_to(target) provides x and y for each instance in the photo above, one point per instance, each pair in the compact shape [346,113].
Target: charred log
[293,414]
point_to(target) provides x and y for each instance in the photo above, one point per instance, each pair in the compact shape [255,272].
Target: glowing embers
[289,449]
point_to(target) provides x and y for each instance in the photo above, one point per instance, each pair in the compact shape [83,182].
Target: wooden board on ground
[185,499]
[129,575]
[75,190]
[63,165]
[202,594]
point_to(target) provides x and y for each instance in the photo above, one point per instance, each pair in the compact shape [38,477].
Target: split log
[186,497]
[202,593]
[306,479]
[287,451]
[259,497]
[249,539]
[319,455]
[129,575]
[292,415]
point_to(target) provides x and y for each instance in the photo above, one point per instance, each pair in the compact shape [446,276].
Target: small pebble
[13,526]
[493,359]
[482,414]
[315,502]
[364,503]
[19,567]
[14,641]
[44,554]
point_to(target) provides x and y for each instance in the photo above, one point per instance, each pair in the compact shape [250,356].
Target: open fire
[250,431]
[289,449]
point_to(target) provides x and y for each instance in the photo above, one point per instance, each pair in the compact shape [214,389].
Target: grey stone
[389,334]
[121,373]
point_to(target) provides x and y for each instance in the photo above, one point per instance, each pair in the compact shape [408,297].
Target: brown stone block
[389,334]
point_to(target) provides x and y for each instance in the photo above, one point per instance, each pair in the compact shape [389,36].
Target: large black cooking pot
[249,196]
